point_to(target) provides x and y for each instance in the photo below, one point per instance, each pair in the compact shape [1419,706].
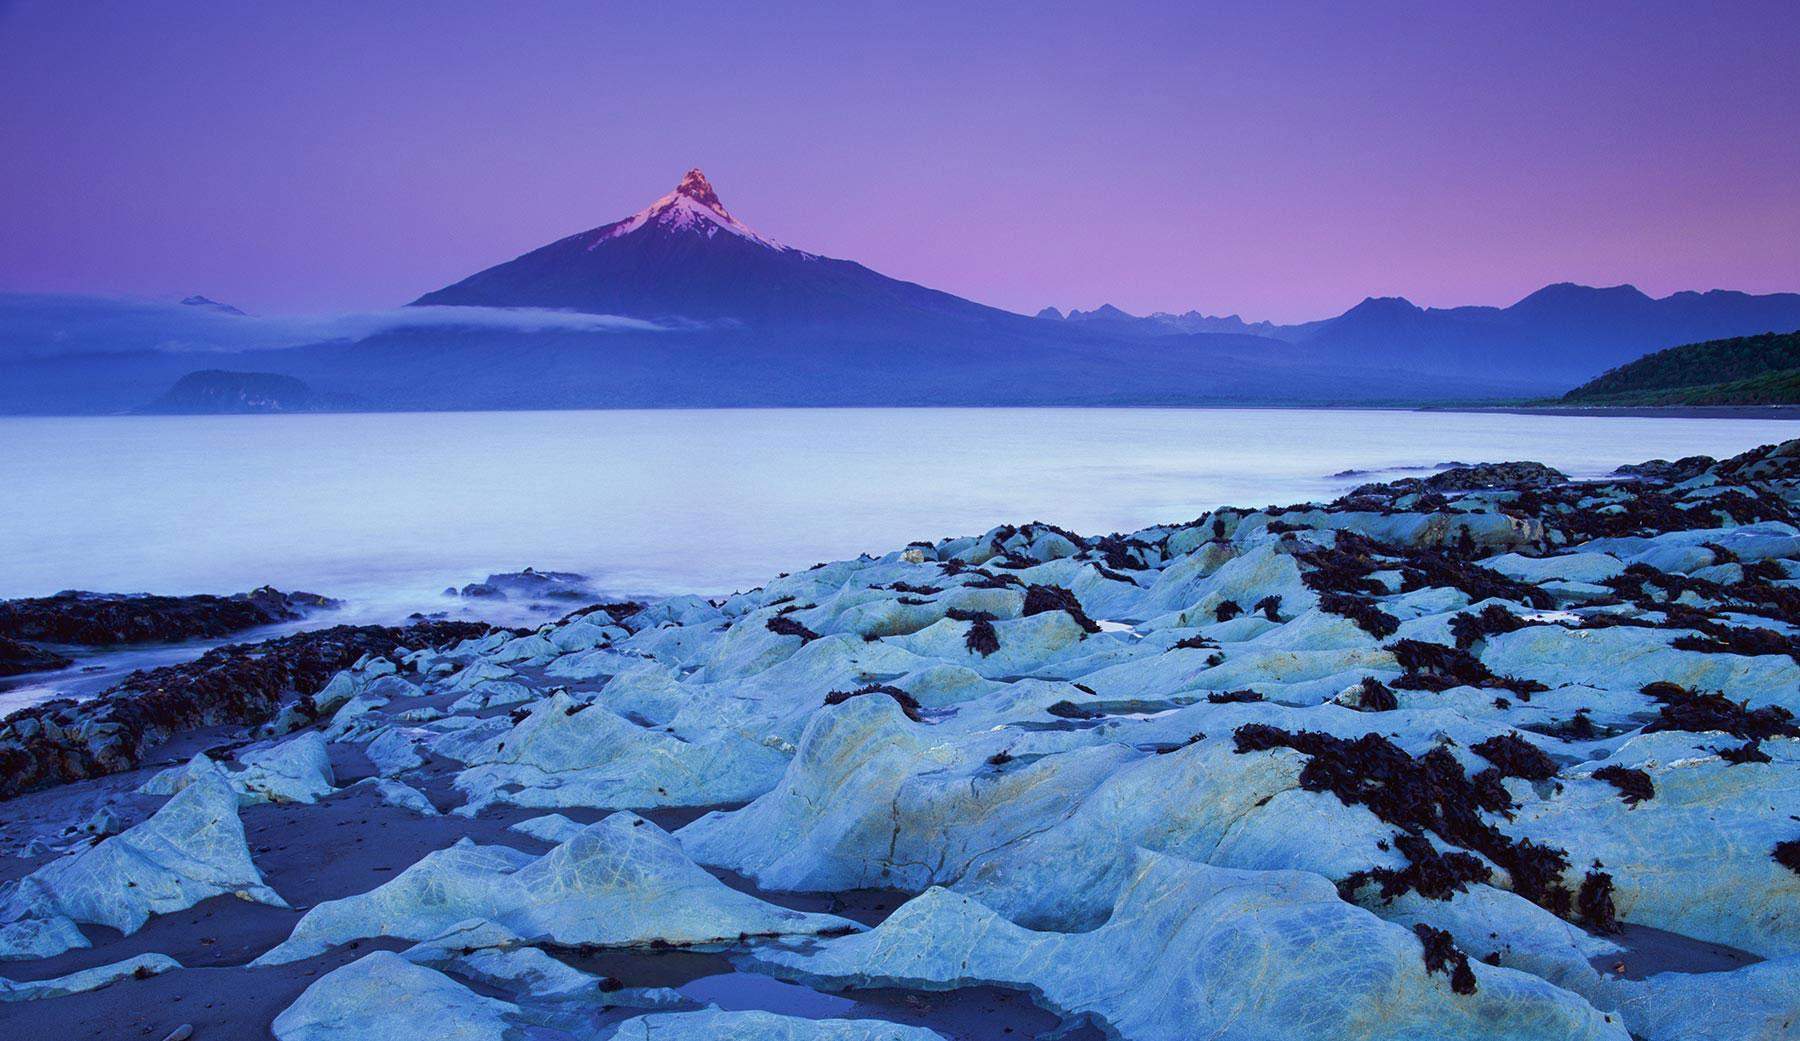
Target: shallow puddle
[711,978]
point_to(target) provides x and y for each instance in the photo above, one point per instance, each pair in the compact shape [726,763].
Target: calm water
[387,510]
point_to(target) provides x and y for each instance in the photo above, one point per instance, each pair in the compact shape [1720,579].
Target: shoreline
[1784,412]
[1363,716]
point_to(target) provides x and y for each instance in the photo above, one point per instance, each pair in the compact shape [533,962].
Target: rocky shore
[237,685]
[1482,754]
[75,618]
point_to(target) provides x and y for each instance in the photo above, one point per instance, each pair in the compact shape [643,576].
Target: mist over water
[386,510]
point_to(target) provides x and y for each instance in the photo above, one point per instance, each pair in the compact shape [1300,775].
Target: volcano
[686,259]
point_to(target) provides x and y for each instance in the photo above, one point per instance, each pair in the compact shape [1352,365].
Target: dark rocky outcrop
[1685,468]
[78,618]
[237,684]
[529,584]
[109,619]
[17,657]
[1479,477]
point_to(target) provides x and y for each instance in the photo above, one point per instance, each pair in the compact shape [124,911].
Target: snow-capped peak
[693,206]
[695,186]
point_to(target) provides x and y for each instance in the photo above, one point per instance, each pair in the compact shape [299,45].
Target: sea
[386,511]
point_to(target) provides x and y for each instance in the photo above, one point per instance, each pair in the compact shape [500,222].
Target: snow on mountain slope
[692,206]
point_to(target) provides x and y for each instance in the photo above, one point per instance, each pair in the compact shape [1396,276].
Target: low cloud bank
[42,325]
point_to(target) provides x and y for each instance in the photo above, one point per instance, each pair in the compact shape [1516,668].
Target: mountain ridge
[712,313]
[1565,330]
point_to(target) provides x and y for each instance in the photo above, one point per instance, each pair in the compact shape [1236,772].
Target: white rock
[87,979]
[191,849]
[620,882]
[384,997]
[1191,950]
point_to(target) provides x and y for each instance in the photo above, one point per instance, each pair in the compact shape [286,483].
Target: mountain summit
[685,259]
[692,207]
[695,186]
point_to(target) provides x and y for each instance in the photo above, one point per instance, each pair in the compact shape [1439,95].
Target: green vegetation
[1743,370]
[1774,388]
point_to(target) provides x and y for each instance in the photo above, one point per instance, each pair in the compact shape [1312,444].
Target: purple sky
[1280,163]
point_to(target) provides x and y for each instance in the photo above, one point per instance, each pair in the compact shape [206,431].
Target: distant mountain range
[1162,323]
[683,304]
[1563,333]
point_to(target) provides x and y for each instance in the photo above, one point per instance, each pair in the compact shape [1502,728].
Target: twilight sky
[1276,160]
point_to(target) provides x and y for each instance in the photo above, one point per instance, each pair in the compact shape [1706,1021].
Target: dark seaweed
[1376,697]
[908,704]
[1361,610]
[1748,752]
[1594,903]
[1634,785]
[1433,875]
[981,638]
[1491,620]
[1045,598]
[1442,955]
[1683,709]
[782,625]
[1233,697]
[1787,854]
[1429,793]
[1516,757]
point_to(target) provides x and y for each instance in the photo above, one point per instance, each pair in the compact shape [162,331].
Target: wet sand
[351,842]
